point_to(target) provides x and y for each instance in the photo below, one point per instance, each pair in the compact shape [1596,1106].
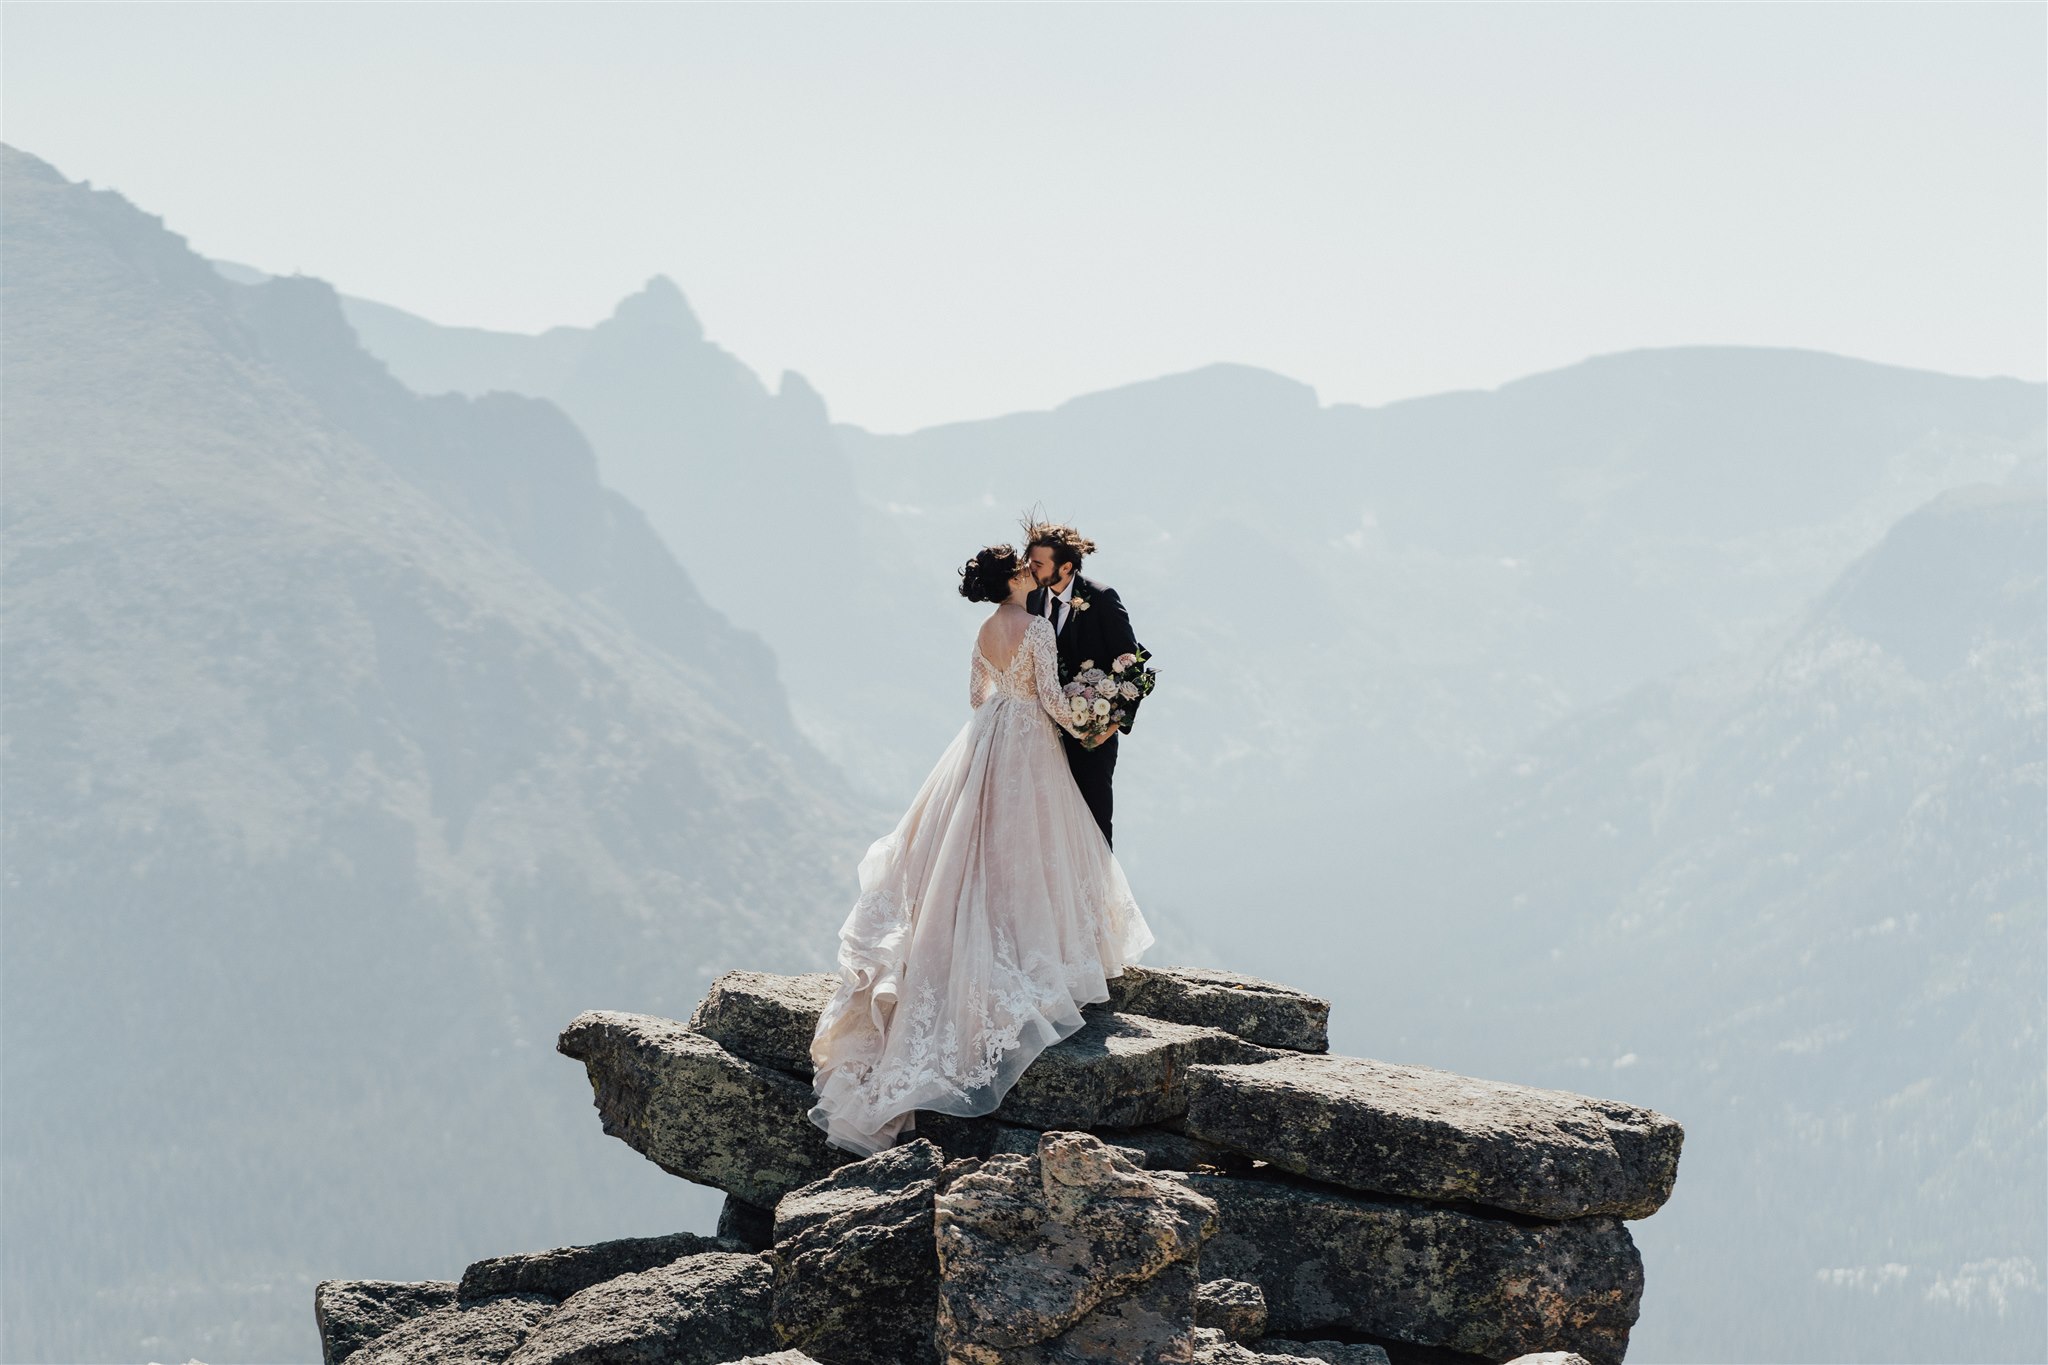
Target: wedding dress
[986,919]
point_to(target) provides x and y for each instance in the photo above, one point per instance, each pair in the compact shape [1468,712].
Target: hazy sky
[941,212]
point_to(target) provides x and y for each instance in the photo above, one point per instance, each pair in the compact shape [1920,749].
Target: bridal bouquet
[1099,697]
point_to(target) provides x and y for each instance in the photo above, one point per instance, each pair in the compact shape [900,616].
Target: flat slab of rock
[1405,1271]
[569,1270]
[1427,1134]
[353,1313]
[1262,1012]
[697,1110]
[1117,1071]
[701,1310]
[766,1018]
[484,1333]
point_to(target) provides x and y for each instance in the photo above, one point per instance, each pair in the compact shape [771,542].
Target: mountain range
[1666,727]
[354,740]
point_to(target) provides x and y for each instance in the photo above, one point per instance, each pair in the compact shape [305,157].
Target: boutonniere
[1078,602]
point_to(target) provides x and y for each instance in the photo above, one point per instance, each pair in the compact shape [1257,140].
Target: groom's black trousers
[1092,769]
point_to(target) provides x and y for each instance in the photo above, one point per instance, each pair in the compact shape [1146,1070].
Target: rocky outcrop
[856,1269]
[1410,1130]
[1190,1179]
[1403,1270]
[1262,1012]
[350,1313]
[766,1019]
[569,1270]
[1074,1252]
[700,1310]
[482,1333]
[697,1110]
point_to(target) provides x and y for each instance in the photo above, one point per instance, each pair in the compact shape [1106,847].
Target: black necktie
[1052,611]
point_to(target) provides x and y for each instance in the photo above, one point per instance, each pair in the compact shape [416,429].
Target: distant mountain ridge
[1800,892]
[352,739]
[1559,726]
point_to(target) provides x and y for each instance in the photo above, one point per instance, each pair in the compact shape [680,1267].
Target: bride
[988,916]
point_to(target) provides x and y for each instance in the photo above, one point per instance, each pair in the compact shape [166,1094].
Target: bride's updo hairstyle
[986,577]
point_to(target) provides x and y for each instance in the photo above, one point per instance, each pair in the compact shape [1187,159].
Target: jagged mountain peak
[659,306]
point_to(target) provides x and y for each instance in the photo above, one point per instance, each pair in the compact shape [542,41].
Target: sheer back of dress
[1033,675]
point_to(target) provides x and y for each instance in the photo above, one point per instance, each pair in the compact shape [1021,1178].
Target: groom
[1091,625]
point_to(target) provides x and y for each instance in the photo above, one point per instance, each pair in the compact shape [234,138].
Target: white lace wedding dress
[986,919]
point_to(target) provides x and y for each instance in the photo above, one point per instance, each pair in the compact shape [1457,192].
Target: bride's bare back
[1002,635]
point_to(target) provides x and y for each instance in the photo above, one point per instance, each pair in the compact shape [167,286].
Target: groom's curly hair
[1068,546]
[986,577]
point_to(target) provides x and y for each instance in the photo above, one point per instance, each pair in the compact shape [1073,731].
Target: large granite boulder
[1070,1251]
[1428,1134]
[487,1332]
[766,1018]
[1156,1147]
[1262,1012]
[700,1310]
[697,1110]
[856,1267]
[1401,1270]
[1117,1071]
[352,1313]
[568,1270]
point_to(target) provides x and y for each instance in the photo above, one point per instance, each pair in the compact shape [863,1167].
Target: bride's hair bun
[986,577]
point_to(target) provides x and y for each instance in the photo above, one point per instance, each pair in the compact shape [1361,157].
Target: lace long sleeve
[1045,665]
[981,680]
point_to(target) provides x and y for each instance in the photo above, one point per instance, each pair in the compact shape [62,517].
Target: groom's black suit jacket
[1097,634]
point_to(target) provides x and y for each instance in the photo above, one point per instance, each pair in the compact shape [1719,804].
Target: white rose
[1080,705]
[1101,706]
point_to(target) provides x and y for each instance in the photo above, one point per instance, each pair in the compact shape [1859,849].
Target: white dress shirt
[1065,597]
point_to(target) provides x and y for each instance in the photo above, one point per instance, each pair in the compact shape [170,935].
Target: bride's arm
[1046,671]
[981,680]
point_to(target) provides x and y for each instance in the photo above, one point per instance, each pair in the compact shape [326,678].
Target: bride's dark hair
[986,577]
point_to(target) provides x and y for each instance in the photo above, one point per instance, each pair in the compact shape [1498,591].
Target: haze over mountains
[1668,727]
[354,741]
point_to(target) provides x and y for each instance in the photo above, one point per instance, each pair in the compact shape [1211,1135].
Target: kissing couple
[994,910]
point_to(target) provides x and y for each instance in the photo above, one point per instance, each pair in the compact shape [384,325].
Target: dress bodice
[1033,676]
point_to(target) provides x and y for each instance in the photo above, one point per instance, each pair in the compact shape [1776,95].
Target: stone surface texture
[1214,1348]
[1030,1247]
[1262,1012]
[697,1110]
[1117,1071]
[482,1333]
[567,1270]
[1406,1271]
[351,1313]
[1427,1134]
[700,1310]
[1236,1308]
[856,1266]
[765,1018]
[1190,1179]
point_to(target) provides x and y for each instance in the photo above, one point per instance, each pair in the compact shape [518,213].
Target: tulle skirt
[986,919]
